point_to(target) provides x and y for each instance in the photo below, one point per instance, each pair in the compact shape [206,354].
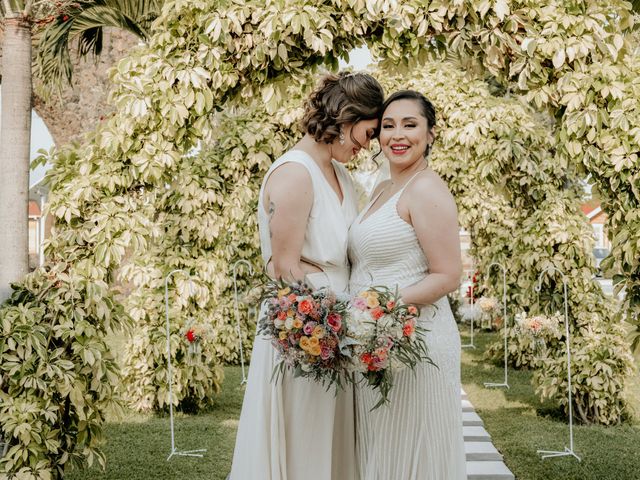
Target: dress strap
[410,180]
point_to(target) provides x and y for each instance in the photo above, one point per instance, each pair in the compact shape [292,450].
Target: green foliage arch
[135,184]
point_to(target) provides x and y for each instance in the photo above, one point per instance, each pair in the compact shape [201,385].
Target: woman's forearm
[288,271]
[430,289]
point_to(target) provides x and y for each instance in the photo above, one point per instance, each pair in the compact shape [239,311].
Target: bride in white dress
[294,429]
[408,237]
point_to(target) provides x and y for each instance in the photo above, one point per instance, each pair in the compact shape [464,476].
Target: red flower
[65,18]
[366,358]
[282,315]
[191,336]
[335,321]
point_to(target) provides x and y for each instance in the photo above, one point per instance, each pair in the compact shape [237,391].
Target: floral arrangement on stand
[537,335]
[469,312]
[490,318]
[196,333]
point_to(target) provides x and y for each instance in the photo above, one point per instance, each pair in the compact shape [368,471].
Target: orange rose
[408,328]
[412,309]
[304,342]
[315,351]
[297,323]
[314,342]
[381,353]
[376,313]
[305,306]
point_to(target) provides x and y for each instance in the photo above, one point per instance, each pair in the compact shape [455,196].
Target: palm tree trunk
[15,139]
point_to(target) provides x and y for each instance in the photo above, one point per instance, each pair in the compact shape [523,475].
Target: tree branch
[6,7]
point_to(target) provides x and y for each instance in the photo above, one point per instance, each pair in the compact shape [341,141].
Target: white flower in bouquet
[361,325]
[386,322]
[288,323]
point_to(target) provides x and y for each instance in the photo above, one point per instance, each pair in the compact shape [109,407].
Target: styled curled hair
[338,100]
[427,109]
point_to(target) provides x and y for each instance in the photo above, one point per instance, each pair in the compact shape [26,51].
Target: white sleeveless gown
[418,435]
[294,429]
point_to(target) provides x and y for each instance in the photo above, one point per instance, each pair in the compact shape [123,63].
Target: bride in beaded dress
[407,237]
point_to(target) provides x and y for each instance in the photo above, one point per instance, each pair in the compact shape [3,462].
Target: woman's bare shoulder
[429,189]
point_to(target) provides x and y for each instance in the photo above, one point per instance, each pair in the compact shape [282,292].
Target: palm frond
[85,22]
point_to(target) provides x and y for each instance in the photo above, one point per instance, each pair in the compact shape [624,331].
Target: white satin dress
[418,435]
[294,429]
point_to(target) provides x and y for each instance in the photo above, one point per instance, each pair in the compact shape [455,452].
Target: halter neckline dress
[418,435]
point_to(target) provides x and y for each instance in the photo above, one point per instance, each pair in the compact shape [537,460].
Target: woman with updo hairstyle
[294,429]
[407,239]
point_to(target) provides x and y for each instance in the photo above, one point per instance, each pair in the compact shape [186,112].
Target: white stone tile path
[484,462]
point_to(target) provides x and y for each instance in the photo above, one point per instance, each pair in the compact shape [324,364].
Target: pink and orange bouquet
[539,326]
[384,337]
[307,328]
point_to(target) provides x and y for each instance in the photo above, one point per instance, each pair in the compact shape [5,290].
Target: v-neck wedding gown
[294,429]
[418,435]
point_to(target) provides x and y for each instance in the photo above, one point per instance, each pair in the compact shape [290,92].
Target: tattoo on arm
[272,210]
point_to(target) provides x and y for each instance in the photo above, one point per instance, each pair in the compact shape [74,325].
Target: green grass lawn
[520,424]
[137,446]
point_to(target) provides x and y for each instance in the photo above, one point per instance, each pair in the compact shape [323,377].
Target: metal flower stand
[470,344]
[235,311]
[505,383]
[568,451]
[174,450]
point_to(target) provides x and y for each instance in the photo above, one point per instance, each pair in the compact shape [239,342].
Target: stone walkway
[484,462]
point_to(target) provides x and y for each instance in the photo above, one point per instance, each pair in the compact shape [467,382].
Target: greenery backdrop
[169,181]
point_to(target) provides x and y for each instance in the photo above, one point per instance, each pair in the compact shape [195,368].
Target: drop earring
[341,137]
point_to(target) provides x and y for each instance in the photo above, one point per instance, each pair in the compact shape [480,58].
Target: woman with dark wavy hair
[407,239]
[294,429]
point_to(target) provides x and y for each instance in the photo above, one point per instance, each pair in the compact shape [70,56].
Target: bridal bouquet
[383,337]
[307,328]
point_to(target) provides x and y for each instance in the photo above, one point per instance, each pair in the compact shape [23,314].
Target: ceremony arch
[210,101]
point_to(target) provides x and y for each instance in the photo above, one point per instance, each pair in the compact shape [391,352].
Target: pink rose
[308,327]
[326,353]
[360,303]
[284,303]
